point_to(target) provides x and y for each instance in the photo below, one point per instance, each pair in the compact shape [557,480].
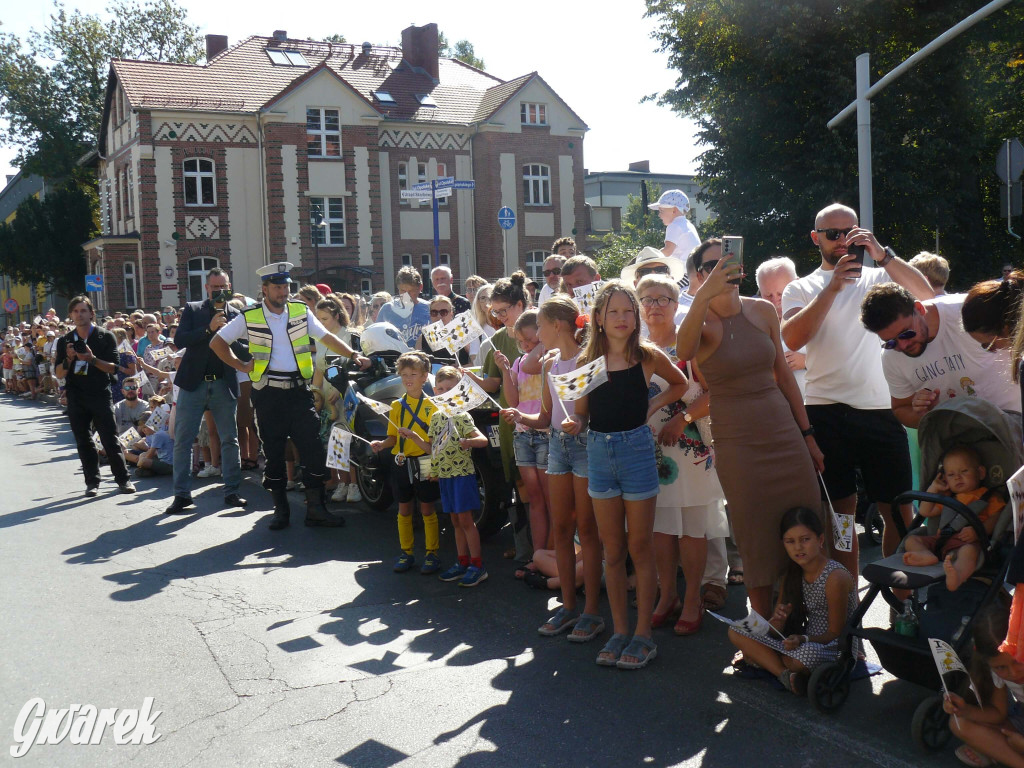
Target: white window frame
[533,113]
[421,176]
[536,184]
[283,57]
[321,134]
[199,267]
[196,176]
[535,265]
[131,276]
[130,176]
[333,233]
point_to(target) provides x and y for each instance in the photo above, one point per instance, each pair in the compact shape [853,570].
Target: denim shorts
[623,464]
[567,453]
[531,448]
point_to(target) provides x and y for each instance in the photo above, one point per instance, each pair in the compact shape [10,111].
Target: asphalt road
[301,648]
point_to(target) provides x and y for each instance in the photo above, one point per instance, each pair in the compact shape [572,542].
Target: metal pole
[1009,194]
[437,234]
[864,140]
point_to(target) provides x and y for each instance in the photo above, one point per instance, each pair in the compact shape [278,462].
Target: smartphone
[732,249]
[857,251]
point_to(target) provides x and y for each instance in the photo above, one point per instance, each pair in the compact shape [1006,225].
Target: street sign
[422,185]
[1010,161]
[94,282]
[468,184]
[444,183]
[421,194]
[1015,200]
[11,306]
[506,218]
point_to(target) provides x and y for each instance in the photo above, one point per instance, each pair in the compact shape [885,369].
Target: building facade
[29,300]
[285,149]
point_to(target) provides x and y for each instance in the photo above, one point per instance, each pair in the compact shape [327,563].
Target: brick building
[229,163]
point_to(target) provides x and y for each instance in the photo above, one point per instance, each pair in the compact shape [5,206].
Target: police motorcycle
[382,344]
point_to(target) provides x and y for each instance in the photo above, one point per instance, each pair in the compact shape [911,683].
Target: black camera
[79,346]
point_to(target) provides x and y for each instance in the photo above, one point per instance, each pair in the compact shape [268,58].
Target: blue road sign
[468,184]
[506,218]
[422,185]
[94,282]
[447,181]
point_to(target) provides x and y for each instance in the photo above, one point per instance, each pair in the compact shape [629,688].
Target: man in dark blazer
[205,383]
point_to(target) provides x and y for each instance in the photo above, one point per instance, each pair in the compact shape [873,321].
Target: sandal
[714,596]
[248,465]
[795,682]
[735,577]
[636,648]
[587,628]
[970,756]
[562,620]
[535,579]
[614,647]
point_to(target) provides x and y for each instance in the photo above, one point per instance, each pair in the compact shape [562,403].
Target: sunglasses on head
[894,342]
[832,233]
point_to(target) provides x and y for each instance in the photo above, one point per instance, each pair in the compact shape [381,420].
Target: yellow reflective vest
[261,339]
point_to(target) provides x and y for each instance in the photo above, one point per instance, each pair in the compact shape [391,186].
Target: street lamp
[317,220]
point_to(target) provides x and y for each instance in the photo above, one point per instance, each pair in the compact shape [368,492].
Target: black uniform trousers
[96,410]
[284,414]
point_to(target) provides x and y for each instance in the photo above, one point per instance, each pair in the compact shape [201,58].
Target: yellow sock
[432,533]
[405,534]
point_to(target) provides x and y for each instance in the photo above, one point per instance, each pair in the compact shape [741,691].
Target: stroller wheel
[874,524]
[829,687]
[930,725]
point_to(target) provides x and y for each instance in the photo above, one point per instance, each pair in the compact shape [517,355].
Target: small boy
[412,412]
[449,442]
[159,459]
[960,476]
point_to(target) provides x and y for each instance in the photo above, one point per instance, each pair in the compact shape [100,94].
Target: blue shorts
[459,494]
[622,464]
[567,453]
[531,448]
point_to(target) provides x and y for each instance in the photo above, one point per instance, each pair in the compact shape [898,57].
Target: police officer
[279,334]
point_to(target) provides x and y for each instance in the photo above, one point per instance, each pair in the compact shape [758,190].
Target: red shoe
[683,628]
[659,620]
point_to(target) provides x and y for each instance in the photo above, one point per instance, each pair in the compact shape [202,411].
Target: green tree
[639,227]
[52,91]
[763,79]
[335,38]
[462,50]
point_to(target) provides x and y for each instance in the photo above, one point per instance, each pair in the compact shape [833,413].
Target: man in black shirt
[441,278]
[205,383]
[87,361]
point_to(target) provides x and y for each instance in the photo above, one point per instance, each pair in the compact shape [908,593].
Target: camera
[79,346]
[732,250]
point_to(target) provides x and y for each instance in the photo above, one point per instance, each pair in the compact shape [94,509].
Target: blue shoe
[431,564]
[454,573]
[404,562]
[473,576]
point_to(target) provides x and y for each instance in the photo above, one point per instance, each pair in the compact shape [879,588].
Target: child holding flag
[449,442]
[622,468]
[818,596]
[412,412]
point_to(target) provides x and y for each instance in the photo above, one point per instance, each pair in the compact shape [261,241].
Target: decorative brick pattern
[229,133]
[407,139]
[202,227]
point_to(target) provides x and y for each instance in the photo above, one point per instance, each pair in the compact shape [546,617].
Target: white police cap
[276,272]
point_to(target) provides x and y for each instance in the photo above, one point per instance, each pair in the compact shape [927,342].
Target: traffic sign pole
[437,233]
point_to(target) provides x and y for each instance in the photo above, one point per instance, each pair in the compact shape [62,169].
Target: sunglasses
[708,266]
[661,269]
[894,342]
[440,312]
[550,272]
[832,233]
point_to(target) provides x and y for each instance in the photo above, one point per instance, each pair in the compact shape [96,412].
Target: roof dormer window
[384,97]
[285,58]
[426,100]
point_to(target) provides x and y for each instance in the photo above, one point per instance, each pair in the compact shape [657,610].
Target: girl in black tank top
[623,472]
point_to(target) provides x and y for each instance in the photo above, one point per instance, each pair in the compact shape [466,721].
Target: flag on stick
[575,384]
[463,397]
[464,329]
[338,448]
[434,334]
[946,661]
[129,438]
[842,525]
[159,418]
[377,407]
[585,296]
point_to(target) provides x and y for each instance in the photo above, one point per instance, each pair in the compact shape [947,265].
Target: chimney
[643,166]
[280,35]
[419,49]
[215,44]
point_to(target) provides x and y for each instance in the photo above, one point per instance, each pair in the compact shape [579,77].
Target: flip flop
[636,648]
[614,647]
[735,577]
[794,682]
[562,621]
[589,626]
[969,756]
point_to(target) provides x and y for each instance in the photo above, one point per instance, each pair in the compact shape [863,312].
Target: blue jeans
[188,411]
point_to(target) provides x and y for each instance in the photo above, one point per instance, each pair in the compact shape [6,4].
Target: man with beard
[281,367]
[846,395]
[128,411]
[927,356]
[87,361]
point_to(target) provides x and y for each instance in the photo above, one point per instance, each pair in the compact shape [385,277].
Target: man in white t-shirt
[563,248]
[927,356]
[773,275]
[846,395]
[680,235]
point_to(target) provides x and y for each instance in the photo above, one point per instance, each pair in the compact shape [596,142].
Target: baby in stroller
[960,475]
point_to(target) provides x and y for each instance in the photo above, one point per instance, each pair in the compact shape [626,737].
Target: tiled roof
[243,79]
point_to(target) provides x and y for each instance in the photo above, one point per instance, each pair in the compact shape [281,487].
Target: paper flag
[1015,485]
[158,354]
[585,296]
[159,418]
[575,384]
[842,525]
[379,408]
[464,396]
[434,334]
[125,347]
[464,329]
[946,660]
[753,623]
[338,448]
[96,441]
[443,438]
[129,438]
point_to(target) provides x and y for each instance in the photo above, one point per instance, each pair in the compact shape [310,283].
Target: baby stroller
[942,614]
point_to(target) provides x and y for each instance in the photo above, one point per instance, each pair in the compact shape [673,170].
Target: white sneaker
[209,471]
[340,492]
[353,493]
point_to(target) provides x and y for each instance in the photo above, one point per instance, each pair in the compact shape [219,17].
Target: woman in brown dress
[765,450]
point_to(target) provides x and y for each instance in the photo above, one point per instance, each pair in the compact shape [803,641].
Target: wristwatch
[890,254]
[687,417]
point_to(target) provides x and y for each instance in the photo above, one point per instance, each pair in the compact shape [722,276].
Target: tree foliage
[52,89]
[462,50]
[639,227]
[43,243]
[763,79]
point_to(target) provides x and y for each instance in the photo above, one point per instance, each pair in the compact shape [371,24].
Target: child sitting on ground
[449,442]
[960,476]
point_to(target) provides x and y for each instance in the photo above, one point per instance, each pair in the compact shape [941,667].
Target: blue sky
[600,58]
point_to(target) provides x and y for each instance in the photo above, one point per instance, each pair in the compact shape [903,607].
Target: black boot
[282,512]
[316,512]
